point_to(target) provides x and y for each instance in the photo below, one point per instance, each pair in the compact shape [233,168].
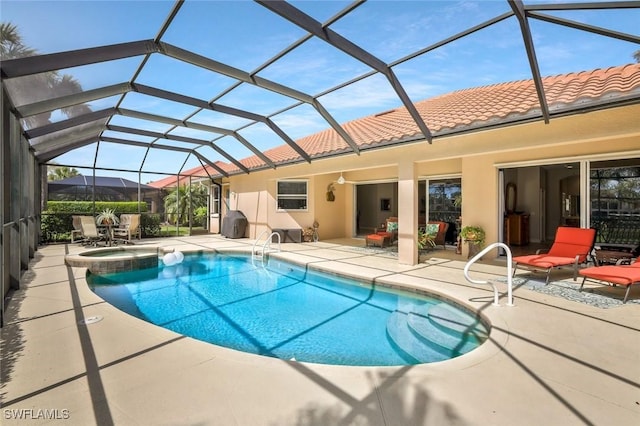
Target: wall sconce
[341,180]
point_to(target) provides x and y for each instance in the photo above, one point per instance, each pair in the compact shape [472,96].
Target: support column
[407,213]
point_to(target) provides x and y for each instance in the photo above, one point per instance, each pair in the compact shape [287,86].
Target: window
[442,199]
[215,200]
[615,192]
[292,195]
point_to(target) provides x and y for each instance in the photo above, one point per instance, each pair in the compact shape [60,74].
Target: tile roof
[467,109]
[170,181]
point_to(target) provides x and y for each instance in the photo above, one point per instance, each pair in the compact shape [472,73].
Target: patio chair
[571,246]
[625,275]
[129,227]
[76,232]
[437,231]
[90,231]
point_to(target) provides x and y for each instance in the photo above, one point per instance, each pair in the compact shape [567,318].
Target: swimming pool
[289,312]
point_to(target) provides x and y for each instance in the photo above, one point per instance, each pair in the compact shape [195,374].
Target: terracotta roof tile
[463,109]
[199,171]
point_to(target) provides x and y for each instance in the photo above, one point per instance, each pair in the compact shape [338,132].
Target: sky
[245,35]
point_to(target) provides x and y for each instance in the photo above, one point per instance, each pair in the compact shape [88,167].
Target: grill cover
[234,224]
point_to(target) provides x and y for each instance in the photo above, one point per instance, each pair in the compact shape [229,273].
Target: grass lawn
[170,230]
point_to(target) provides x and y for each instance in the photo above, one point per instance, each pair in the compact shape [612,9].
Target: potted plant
[475,236]
[425,241]
[107,218]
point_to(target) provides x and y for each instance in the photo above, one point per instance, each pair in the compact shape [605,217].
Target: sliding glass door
[444,197]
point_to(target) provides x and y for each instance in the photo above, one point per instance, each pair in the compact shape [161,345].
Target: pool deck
[549,360]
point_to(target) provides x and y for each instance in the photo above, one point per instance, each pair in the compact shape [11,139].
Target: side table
[611,257]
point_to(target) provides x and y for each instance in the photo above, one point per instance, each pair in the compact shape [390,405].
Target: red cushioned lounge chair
[572,246]
[626,275]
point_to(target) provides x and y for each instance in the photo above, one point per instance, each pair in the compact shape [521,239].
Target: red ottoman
[377,240]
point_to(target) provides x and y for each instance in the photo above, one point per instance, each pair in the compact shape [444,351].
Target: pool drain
[90,320]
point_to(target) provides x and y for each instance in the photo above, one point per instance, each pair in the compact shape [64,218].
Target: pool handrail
[509,273]
[266,244]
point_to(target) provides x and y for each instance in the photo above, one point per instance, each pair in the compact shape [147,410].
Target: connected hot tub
[116,259]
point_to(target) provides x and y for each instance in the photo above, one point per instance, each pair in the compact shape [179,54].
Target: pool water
[285,311]
[119,252]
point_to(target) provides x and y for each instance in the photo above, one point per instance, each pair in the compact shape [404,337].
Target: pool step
[434,333]
[455,322]
[443,342]
[401,335]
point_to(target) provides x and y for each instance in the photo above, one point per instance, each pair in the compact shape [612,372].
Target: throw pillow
[432,229]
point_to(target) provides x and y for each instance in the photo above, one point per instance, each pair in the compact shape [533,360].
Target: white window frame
[215,200]
[304,196]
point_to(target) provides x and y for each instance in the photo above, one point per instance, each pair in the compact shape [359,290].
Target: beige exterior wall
[476,156]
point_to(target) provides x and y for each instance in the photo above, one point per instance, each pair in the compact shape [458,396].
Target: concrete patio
[549,360]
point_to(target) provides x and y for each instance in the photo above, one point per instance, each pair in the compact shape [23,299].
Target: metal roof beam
[229,71]
[165,147]
[158,135]
[30,65]
[582,6]
[277,130]
[584,27]
[409,105]
[197,126]
[214,165]
[223,109]
[70,100]
[177,138]
[518,9]
[315,102]
[184,99]
[96,115]
[70,137]
[173,121]
[71,122]
[453,38]
[306,22]
[45,155]
[337,127]
[255,150]
[218,67]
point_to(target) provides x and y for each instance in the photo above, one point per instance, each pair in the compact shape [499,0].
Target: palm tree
[61,172]
[36,87]
[637,56]
[177,203]
[11,45]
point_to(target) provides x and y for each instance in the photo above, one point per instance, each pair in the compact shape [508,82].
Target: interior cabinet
[516,229]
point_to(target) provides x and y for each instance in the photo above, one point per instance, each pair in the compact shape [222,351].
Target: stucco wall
[477,156]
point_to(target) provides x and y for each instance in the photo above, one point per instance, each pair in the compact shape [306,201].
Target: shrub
[200,216]
[150,225]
